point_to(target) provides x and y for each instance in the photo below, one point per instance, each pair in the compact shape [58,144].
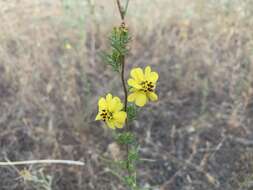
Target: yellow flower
[68,46]
[143,86]
[110,112]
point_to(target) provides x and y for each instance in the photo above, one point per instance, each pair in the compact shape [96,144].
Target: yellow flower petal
[152,96]
[108,97]
[119,105]
[102,104]
[110,124]
[119,125]
[120,117]
[132,90]
[141,99]
[131,97]
[116,99]
[98,117]
[133,83]
[153,77]
[147,71]
[137,74]
[115,105]
[109,102]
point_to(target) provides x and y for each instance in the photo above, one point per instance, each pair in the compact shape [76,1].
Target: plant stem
[121,11]
[123,81]
[122,15]
[125,102]
[126,7]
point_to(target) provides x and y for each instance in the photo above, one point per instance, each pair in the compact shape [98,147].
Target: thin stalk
[122,15]
[123,82]
[125,103]
[126,7]
[121,11]
[15,163]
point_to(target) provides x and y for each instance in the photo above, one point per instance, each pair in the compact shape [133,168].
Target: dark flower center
[147,86]
[106,115]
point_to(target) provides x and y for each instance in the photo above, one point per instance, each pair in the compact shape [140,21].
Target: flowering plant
[116,114]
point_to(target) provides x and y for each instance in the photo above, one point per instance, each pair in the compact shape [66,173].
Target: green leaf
[131,112]
[130,181]
[112,60]
[133,154]
[125,138]
[119,40]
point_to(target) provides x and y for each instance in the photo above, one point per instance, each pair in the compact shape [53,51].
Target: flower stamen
[147,86]
[106,115]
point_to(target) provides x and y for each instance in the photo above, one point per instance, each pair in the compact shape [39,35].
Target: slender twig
[68,162]
[125,102]
[122,15]
[121,11]
[126,7]
[123,81]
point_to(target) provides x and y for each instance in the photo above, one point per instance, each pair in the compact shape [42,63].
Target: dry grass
[51,75]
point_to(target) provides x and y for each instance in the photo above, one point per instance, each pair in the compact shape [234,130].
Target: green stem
[125,103]
[126,7]
[122,15]
[123,81]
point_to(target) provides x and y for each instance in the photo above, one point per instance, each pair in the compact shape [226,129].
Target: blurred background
[199,135]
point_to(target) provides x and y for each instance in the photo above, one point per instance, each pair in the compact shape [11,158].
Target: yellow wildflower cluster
[142,89]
